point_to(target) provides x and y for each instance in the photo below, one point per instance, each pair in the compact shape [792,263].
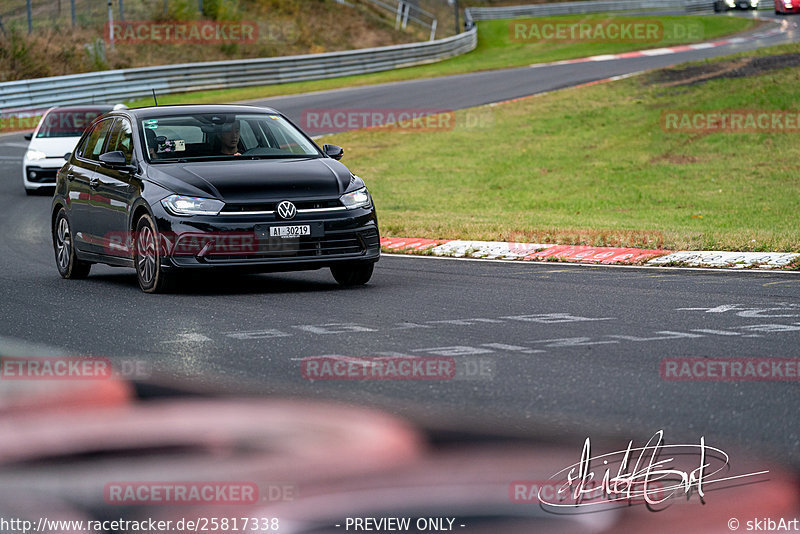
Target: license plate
[290,231]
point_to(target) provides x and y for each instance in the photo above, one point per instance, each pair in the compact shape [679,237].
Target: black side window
[96,139]
[121,139]
[81,147]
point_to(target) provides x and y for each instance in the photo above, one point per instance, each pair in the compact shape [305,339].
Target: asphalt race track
[475,89]
[542,349]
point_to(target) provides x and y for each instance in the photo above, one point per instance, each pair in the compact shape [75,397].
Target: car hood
[54,147]
[255,180]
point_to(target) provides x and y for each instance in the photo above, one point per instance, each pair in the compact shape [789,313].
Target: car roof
[97,107]
[167,111]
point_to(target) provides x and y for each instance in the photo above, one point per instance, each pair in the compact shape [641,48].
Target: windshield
[67,122]
[223,136]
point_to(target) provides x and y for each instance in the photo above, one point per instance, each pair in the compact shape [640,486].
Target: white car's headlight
[356,199]
[181,205]
[35,155]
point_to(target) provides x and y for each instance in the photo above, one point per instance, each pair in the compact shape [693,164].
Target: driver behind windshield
[226,139]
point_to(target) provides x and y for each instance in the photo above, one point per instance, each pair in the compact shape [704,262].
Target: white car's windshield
[67,122]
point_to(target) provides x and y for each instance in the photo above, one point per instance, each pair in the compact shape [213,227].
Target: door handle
[94,182]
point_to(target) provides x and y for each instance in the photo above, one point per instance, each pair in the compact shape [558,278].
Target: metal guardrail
[127,84]
[699,6]
[576,8]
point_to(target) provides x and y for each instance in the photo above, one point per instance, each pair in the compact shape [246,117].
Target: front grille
[331,245]
[270,206]
[41,175]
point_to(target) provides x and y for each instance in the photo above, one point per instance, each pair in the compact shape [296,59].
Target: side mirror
[333,151]
[67,155]
[113,159]
[28,136]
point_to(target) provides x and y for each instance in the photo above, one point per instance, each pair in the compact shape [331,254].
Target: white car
[57,133]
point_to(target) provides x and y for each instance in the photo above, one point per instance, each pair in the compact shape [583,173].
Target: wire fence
[33,15]
[436,16]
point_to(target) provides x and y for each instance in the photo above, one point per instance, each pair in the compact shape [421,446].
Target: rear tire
[152,277]
[353,274]
[68,264]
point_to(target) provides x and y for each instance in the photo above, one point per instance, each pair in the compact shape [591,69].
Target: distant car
[171,188]
[725,5]
[783,7]
[57,133]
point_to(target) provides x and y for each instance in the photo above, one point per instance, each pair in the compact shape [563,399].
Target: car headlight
[356,199]
[34,155]
[731,3]
[181,205]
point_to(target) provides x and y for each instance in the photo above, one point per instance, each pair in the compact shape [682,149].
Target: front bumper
[242,241]
[41,173]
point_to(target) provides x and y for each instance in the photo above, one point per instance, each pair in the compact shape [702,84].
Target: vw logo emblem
[286,210]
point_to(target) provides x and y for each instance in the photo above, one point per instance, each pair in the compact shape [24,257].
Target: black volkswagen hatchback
[168,188]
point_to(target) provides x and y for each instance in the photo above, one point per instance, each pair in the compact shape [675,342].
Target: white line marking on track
[604,57]
[658,52]
[716,332]
[191,337]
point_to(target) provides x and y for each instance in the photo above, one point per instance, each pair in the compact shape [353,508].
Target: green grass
[495,50]
[592,165]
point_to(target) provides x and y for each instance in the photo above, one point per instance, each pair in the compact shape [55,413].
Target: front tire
[68,264]
[152,277]
[353,274]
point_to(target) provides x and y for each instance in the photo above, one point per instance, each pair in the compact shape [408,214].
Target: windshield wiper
[157,161]
[281,156]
